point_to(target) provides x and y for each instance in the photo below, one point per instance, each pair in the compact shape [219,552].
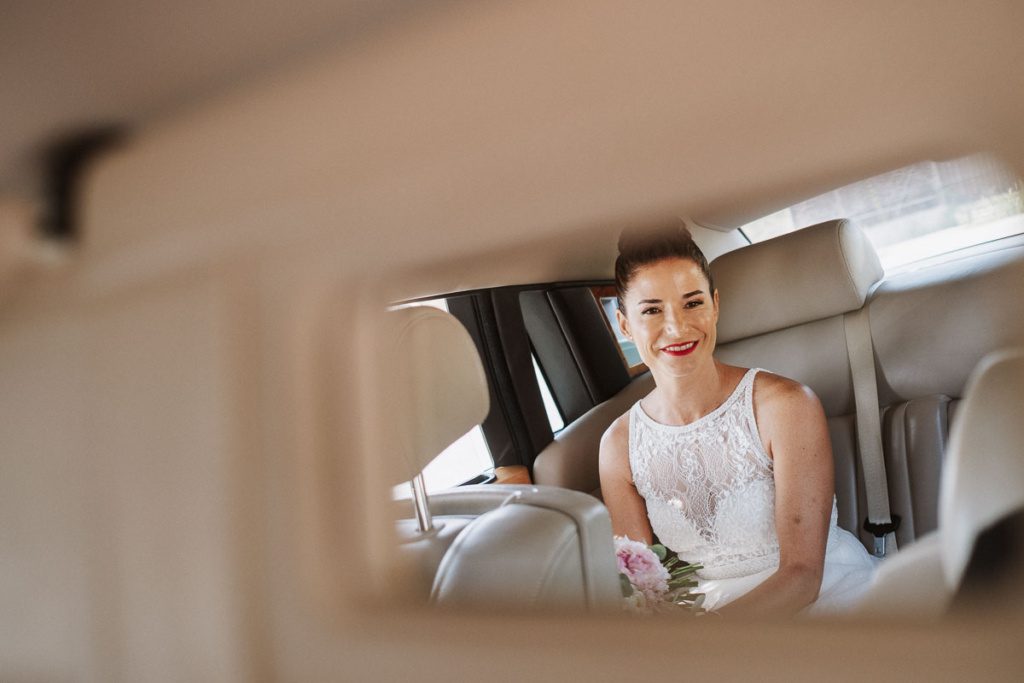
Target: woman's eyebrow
[658,301]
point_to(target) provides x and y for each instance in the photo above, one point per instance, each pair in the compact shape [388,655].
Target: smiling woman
[670,311]
[749,499]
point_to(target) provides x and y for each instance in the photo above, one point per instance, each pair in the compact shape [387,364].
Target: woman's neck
[681,400]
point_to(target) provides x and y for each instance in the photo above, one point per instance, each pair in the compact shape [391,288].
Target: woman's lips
[684,349]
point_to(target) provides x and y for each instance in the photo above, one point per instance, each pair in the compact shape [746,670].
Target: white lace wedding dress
[710,493]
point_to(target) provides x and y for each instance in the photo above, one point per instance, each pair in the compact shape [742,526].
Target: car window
[555,418]
[916,212]
[606,297]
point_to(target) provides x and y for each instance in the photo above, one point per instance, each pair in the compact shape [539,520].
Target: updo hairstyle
[639,247]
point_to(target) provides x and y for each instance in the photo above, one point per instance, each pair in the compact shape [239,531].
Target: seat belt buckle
[880,530]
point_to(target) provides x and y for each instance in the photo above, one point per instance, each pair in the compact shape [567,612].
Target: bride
[730,467]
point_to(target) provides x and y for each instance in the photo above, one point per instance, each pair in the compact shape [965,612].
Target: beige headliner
[480,128]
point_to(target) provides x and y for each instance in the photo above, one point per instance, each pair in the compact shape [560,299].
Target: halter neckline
[740,389]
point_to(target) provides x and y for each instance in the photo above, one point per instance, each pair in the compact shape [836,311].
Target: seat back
[977,553]
[531,546]
[782,307]
[984,482]
[783,303]
[932,325]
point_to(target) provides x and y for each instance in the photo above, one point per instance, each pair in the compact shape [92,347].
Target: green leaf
[625,585]
[660,550]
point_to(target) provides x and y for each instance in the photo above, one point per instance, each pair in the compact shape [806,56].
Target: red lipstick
[681,349]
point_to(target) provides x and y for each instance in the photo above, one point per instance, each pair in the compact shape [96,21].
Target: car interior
[821,275]
[307,337]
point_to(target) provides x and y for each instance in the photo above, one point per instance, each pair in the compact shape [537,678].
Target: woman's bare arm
[792,422]
[625,505]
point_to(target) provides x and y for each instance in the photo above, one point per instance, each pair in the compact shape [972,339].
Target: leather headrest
[984,475]
[814,273]
[440,391]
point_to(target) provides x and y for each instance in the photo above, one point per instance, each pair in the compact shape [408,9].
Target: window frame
[517,428]
[608,292]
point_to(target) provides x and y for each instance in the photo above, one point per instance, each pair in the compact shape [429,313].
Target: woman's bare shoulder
[774,393]
[615,440]
[785,409]
[613,455]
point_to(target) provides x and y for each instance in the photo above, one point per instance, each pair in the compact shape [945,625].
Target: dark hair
[640,247]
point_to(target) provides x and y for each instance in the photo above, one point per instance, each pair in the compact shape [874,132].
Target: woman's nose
[673,322]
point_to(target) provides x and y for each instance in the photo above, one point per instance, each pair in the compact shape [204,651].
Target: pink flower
[642,567]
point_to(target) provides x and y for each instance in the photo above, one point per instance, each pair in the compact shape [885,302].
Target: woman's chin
[679,367]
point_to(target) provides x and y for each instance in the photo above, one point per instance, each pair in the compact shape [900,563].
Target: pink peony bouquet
[654,579]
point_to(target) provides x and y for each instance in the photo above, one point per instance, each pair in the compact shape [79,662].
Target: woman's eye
[650,311]
[694,303]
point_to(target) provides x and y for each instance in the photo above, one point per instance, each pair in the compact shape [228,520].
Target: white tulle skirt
[849,570]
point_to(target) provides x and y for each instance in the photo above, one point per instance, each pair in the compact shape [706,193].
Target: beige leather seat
[571,459]
[783,303]
[514,545]
[783,308]
[983,484]
[530,546]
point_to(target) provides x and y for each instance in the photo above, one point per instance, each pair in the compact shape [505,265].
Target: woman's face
[671,316]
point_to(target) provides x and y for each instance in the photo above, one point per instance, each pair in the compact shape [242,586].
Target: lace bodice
[709,486]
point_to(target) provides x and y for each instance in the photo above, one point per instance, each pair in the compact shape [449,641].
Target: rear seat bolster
[848,477]
[897,469]
[914,436]
[571,460]
[926,430]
